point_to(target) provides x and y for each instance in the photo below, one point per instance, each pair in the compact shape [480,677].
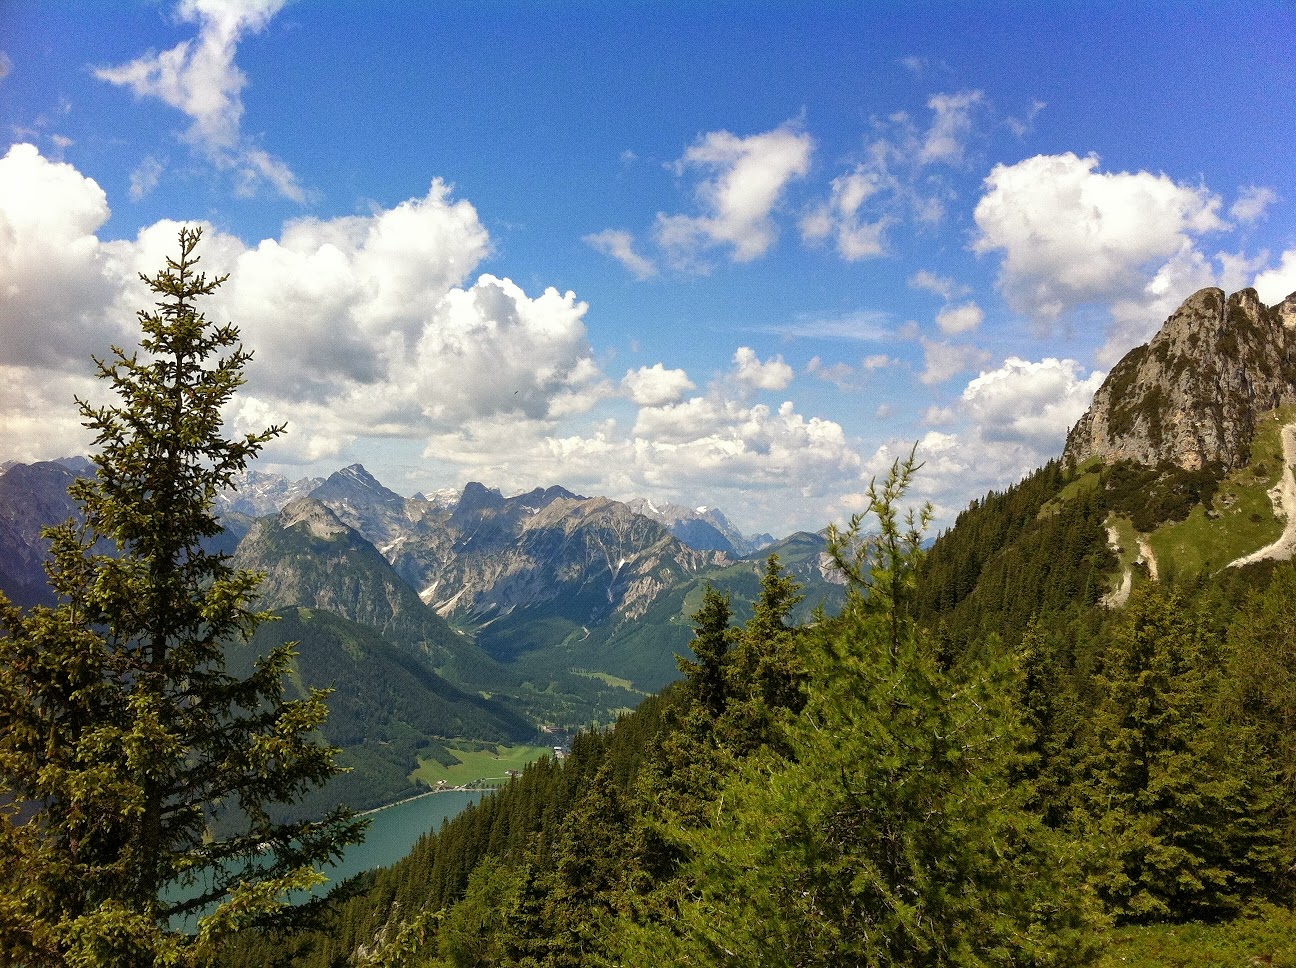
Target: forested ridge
[974,764]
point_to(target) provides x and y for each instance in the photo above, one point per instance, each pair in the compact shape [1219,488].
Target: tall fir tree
[122,736]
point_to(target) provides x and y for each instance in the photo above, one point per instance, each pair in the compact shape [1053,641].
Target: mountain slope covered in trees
[989,757]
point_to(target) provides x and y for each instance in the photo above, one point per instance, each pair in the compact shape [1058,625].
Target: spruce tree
[125,746]
[712,638]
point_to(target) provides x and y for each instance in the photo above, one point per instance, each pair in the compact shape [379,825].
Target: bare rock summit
[1191,395]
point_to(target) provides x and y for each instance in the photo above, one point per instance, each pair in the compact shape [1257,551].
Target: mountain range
[543,609]
[549,609]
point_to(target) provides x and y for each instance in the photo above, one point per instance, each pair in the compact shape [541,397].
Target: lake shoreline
[419,796]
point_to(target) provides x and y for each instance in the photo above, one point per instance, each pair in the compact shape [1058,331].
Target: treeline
[1025,553]
[1007,559]
[858,790]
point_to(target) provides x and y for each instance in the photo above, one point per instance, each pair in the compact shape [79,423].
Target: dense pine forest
[973,764]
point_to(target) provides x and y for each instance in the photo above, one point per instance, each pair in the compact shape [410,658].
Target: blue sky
[731,254]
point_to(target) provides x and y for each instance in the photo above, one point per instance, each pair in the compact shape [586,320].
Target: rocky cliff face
[362,503]
[32,497]
[256,493]
[1192,394]
[704,528]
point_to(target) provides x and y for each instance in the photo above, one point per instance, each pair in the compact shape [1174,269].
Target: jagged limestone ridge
[1192,394]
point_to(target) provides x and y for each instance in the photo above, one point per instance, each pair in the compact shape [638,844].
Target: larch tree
[137,776]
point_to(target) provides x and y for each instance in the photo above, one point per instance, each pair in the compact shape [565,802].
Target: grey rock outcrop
[703,529]
[310,557]
[1191,395]
[32,497]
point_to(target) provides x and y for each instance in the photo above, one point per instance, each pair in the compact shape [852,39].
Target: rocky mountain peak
[258,493]
[361,502]
[1287,311]
[1191,395]
[318,519]
[354,482]
[478,497]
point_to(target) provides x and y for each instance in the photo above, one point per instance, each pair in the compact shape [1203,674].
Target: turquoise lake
[393,831]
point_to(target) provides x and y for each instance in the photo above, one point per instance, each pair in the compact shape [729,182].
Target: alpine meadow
[566,484]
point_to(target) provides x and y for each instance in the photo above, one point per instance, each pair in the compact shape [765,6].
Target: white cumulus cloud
[1071,234]
[771,374]
[747,178]
[1034,403]
[1275,285]
[56,278]
[943,361]
[362,326]
[840,375]
[1006,423]
[656,386]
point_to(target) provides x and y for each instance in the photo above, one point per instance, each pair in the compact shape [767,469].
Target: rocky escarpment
[32,498]
[1191,396]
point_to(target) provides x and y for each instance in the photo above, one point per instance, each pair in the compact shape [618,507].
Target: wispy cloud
[865,326]
[1252,202]
[947,137]
[199,78]
[897,179]
[619,244]
[145,177]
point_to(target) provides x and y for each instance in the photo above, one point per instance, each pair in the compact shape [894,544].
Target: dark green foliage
[1264,936]
[121,731]
[1177,803]
[1007,561]
[889,833]
[712,639]
[1152,496]
[765,678]
[989,525]
[1260,690]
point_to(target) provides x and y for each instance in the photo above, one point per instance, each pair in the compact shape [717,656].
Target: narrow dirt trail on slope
[1118,596]
[1283,497]
[1148,557]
